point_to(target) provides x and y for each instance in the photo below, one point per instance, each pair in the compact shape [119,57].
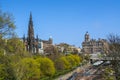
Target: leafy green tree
[27,69]
[46,66]
[15,46]
[77,59]
[6,70]
[3,73]
[62,63]
[71,60]
[6,24]
[2,45]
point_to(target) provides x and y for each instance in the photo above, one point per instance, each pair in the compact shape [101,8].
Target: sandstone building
[94,46]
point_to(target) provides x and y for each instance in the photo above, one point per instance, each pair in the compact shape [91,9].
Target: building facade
[93,46]
[67,49]
[32,44]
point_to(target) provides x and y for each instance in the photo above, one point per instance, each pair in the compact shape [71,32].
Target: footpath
[78,69]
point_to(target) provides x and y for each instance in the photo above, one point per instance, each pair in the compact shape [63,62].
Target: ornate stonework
[35,45]
[94,46]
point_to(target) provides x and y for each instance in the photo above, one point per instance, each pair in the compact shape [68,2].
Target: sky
[65,20]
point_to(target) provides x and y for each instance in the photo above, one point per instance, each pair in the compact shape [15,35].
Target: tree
[27,69]
[6,24]
[6,70]
[54,56]
[2,45]
[62,63]
[108,74]
[71,60]
[6,28]
[74,60]
[3,74]
[46,66]
[15,46]
[114,52]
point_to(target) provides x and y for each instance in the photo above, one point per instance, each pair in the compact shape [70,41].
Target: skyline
[65,20]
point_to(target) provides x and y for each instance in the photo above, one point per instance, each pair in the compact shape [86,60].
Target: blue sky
[65,20]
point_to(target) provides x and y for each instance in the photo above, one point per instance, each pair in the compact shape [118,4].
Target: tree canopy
[114,52]
[7,25]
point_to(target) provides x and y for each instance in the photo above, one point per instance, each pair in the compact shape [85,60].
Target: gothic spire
[30,34]
[30,20]
[30,27]
[30,16]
